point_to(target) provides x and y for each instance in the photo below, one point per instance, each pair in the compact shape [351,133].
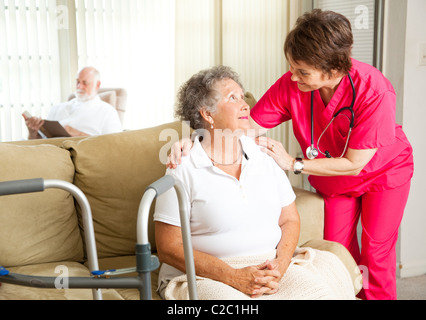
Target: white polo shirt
[230,217]
[94,117]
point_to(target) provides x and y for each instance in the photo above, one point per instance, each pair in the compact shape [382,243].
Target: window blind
[29,63]
[198,37]
[132,44]
[361,13]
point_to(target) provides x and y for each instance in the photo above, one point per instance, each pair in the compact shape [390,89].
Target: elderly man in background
[86,115]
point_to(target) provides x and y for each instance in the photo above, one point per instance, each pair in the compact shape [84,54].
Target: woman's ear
[206,115]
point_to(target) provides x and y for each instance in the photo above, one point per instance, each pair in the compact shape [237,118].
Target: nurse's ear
[334,74]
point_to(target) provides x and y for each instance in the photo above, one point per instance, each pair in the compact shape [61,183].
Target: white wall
[404,34]
[413,228]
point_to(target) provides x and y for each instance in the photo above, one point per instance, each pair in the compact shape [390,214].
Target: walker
[101,279]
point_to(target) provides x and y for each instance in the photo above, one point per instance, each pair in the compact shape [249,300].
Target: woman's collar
[200,158]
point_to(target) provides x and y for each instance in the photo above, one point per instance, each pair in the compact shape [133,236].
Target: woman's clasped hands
[259,280]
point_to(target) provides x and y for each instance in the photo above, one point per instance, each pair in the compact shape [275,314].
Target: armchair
[117,97]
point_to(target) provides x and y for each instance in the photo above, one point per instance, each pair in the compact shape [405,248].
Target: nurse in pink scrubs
[363,170]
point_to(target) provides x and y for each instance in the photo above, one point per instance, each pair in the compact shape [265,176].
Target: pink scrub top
[375,127]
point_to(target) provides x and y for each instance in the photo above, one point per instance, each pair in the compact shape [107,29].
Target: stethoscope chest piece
[312,153]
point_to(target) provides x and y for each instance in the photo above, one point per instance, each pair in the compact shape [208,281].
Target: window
[147,47]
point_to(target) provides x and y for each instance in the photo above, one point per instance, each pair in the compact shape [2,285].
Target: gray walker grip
[162,185]
[21,186]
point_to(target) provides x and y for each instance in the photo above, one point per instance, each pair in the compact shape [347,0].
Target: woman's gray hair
[199,93]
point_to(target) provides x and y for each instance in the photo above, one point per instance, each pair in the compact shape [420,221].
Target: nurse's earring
[212,125]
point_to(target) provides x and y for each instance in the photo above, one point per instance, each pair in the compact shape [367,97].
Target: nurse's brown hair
[322,39]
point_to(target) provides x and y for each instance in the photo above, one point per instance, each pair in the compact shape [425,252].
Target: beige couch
[40,233]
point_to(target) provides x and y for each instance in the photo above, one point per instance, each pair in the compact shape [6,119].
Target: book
[53,129]
[50,129]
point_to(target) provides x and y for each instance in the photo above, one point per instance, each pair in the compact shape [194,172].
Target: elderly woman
[243,218]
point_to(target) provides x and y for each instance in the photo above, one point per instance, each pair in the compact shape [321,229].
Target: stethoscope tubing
[312,152]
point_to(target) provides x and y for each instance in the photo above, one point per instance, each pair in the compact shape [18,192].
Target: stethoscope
[313,152]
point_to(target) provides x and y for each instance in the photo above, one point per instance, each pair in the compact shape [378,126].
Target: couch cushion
[113,171]
[310,206]
[38,227]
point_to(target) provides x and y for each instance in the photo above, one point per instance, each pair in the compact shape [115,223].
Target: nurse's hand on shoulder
[276,150]
[179,149]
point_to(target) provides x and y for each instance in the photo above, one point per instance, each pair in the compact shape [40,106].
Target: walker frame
[101,279]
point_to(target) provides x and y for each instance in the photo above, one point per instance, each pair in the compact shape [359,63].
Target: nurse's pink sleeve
[374,123]
[271,110]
